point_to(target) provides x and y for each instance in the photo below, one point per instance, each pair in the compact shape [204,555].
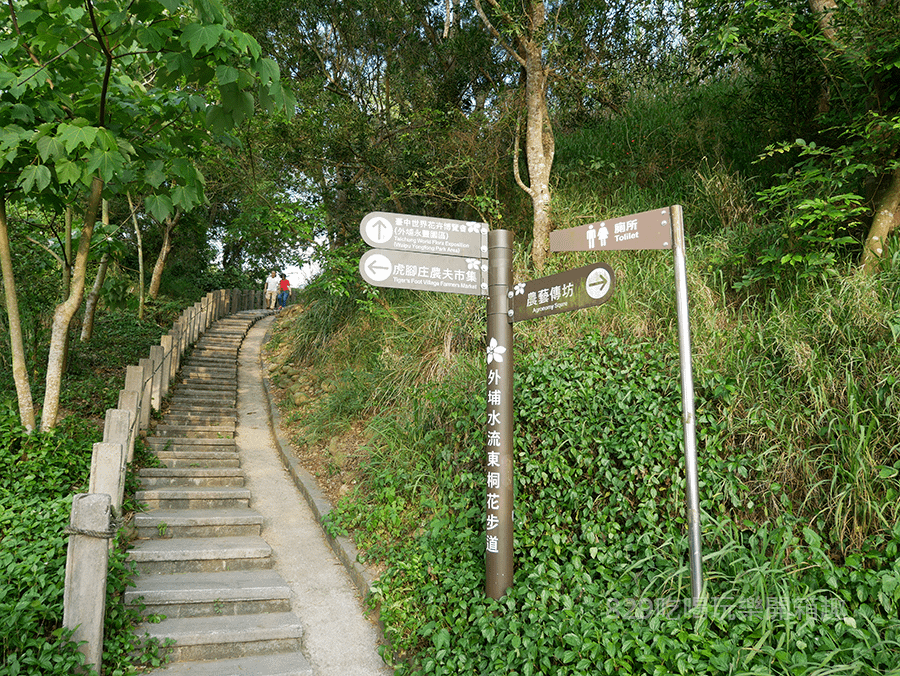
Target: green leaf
[50,147]
[159,206]
[226,74]
[198,37]
[216,119]
[74,136]
[268,71]
[35,176]
[105,162]
[155,175]
[68,171]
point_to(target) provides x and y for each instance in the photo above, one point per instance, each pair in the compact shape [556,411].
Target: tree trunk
[140,253]
[62,317]
[885,221]
[160,264]
[90,305]
[539,142]
[20,370]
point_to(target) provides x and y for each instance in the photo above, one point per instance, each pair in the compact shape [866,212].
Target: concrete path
[230,551]
[339,639]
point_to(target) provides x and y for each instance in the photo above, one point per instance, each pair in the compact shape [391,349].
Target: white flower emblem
[520,288]
[495,352]
[474,263]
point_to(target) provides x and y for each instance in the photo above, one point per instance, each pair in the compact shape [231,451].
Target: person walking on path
[284,293]
[271,290]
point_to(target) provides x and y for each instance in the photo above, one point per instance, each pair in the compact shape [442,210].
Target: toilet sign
[646,230]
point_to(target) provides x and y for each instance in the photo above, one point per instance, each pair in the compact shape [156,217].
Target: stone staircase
[201,560]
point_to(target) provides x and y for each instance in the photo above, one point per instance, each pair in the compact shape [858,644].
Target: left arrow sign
[424,272]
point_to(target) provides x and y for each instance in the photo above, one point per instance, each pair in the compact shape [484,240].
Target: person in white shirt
[272,290]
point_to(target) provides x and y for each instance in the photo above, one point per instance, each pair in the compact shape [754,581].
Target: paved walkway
[339,639]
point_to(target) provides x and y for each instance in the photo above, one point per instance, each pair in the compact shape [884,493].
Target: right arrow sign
[646,230]
[563,292]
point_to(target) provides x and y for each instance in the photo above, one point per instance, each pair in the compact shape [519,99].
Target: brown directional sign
[400,232]
[424,272]
[563,292]
[646,230]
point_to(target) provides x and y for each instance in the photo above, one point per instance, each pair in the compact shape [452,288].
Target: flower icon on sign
[495,351]
[474,263]
[520,288]
[473,227]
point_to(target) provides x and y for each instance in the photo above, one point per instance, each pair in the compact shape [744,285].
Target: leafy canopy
[124,92]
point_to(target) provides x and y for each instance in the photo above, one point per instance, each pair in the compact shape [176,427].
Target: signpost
[659,229]
[437,254]
[400,232]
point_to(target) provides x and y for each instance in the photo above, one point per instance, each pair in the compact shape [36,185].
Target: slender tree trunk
[20,370]
[93,298]
[90,304]
[62,317]
[67,254]
[885,221]
[160,265]
[140,252]
[539,142]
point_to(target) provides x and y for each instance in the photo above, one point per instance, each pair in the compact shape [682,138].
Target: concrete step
[242,592]
[214,356]
[197,497]
[195,431]
[189,371]
[210,638]
[200,459]
[192,407]
[198,395]
[200,555]
[206,383]
[198,523]
[204,361]
[282,664]
[190,444]
[158,477]
[204,394]
[182,419]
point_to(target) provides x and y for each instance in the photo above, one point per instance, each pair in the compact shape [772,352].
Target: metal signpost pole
[687,403]
[499,462]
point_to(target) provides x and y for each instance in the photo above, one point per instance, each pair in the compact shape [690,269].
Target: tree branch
[495,33]
[516,173]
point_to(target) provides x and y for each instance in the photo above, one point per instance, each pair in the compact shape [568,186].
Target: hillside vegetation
[796,371]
